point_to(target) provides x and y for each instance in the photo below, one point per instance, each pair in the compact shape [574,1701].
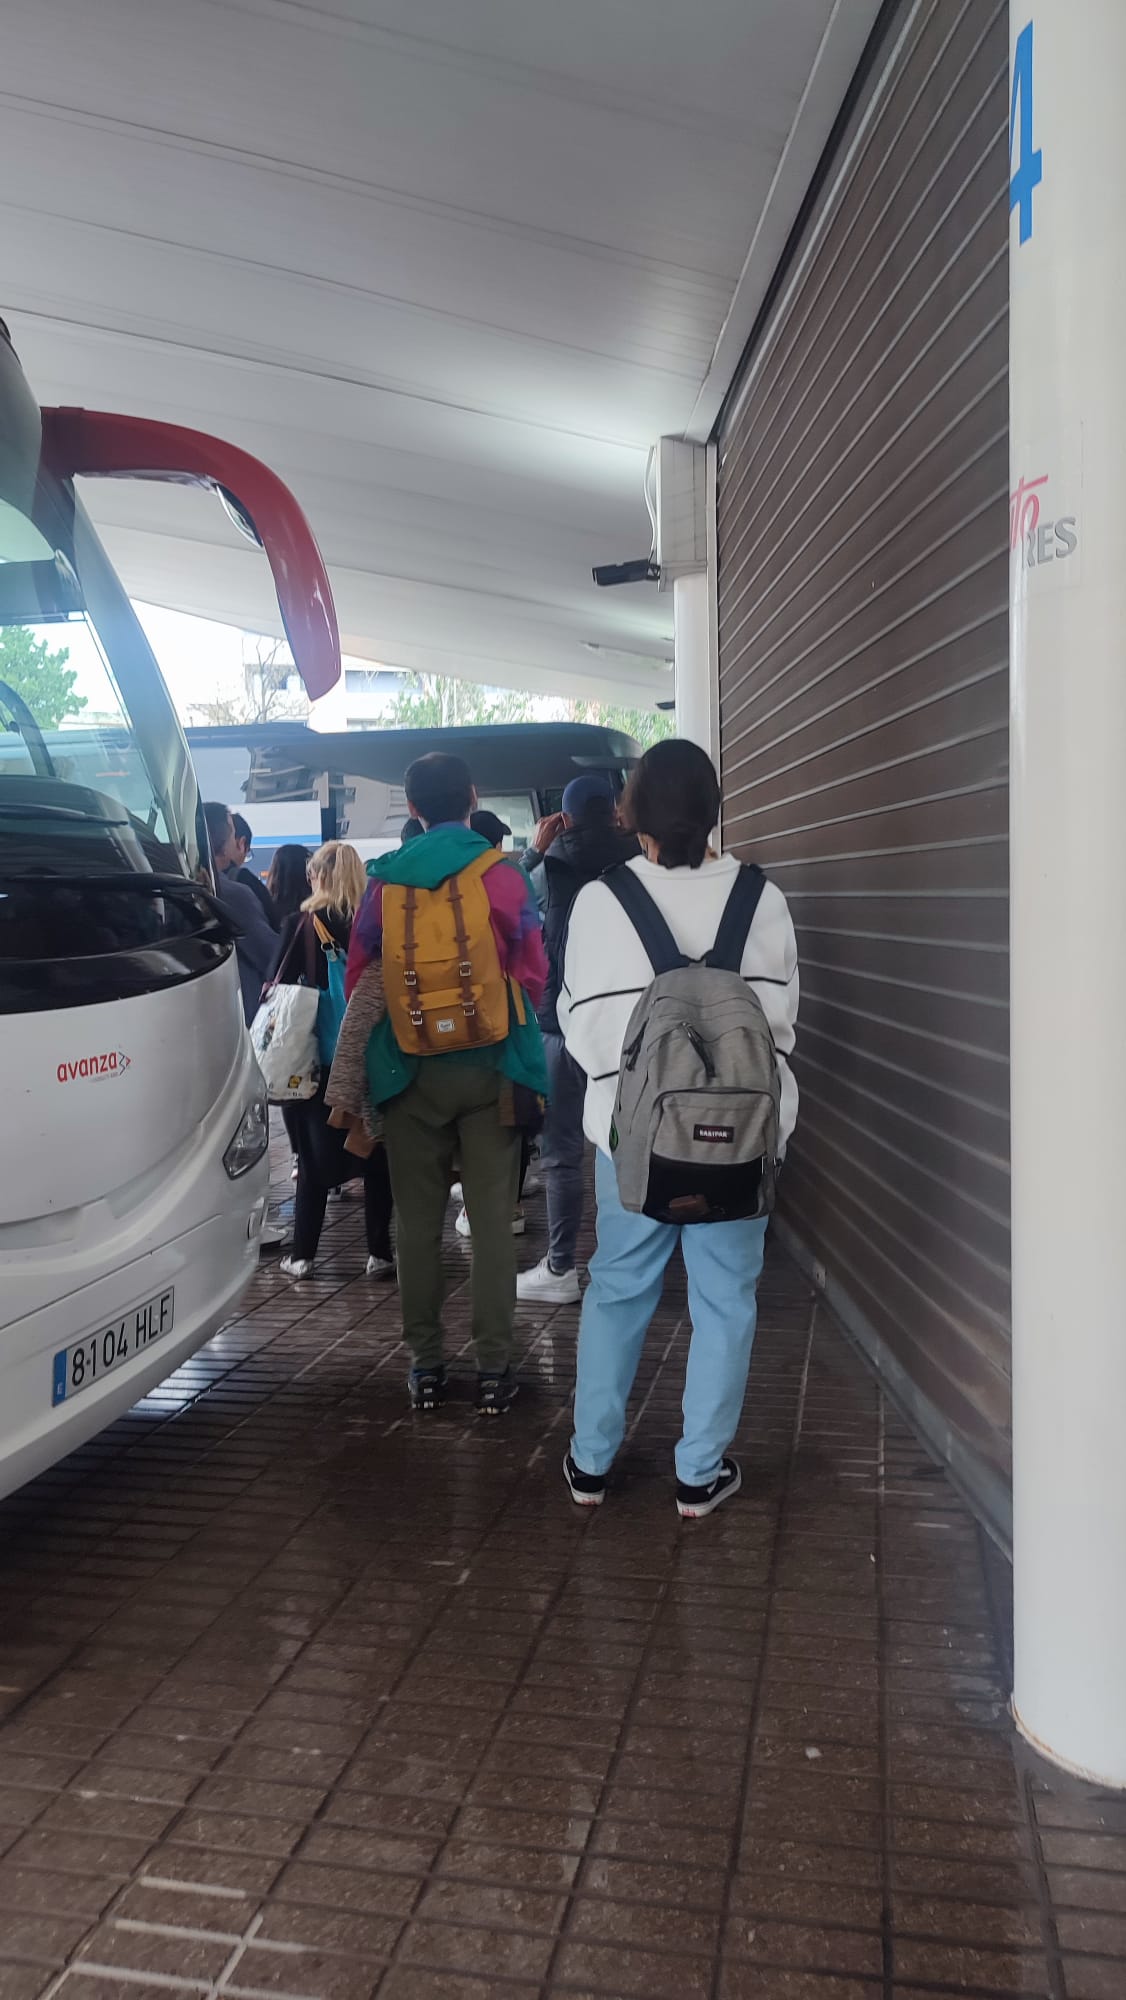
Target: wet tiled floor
[305,1697]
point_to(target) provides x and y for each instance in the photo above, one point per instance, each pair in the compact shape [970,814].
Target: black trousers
[322,1163]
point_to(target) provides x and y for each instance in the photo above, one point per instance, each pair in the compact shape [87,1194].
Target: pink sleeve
[516,928]
[366,941]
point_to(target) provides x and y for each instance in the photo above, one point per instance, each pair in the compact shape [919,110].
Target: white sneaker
[533,1183]
[297,1267]
[556,1288]
[381,1267]
[462,1225]
[456,1193]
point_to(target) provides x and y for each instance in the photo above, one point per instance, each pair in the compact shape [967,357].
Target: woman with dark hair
[288,880]
[672,805]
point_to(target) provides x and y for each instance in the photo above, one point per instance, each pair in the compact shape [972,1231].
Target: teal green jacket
[427,863]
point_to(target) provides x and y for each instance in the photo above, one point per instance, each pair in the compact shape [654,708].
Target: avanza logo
[111,1062]
[1038,542]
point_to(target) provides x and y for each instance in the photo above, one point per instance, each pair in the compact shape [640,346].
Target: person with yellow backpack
[456,1065]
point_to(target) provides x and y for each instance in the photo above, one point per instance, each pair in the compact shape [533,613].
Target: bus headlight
[250,1140]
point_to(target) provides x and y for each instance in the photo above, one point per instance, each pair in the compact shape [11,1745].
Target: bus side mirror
[97,444]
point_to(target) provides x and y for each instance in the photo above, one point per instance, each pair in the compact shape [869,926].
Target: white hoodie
[606,970]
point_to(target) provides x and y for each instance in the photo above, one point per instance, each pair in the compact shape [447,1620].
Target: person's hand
[547,830]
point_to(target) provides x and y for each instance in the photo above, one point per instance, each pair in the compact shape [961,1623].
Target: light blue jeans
[724,1263]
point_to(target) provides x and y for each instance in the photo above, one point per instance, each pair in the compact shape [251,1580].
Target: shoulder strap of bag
[658,942]
[324,936]
[309,936]
[726,954]
[481,863]
[300,936]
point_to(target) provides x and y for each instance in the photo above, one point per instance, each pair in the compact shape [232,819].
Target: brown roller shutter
[862,538]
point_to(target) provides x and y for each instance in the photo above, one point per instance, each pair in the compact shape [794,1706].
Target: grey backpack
[695,1131]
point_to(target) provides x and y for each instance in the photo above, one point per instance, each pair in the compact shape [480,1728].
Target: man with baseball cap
[577,845]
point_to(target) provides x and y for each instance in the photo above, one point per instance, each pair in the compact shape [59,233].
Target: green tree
[430,701]
[40,676]
[646,725]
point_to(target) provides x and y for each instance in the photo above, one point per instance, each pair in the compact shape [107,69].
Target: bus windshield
[94,771]
[101,893]
[83,783]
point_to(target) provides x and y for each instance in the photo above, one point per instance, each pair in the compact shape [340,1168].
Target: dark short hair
[218,818]
[412,828]
[439,788]
[242,828]
[673,796]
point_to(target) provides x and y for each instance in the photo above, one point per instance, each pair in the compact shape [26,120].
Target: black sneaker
[495,1393]
[587,1489]
[693,1502]
[427,1388]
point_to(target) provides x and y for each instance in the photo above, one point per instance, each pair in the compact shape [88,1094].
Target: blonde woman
[336,888]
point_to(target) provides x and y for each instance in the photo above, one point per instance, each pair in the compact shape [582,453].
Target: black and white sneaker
[495,1393]
[427,1388]
[587,1489]
[693,1502]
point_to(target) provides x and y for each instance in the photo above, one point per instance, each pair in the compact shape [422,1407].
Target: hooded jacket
[426,864]
[576,857]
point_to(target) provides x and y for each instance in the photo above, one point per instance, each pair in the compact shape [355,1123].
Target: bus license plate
[113,1346]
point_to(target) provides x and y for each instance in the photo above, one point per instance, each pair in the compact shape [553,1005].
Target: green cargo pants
[452,1113]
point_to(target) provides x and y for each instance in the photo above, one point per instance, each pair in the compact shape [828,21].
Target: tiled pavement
[305,1697]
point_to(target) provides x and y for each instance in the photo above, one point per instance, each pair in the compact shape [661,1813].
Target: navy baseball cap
[580,792]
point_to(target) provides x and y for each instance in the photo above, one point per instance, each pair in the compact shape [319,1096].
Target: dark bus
[295,783]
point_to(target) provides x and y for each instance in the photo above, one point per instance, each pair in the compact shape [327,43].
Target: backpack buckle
[410,979]
[465,969]
[415,1016]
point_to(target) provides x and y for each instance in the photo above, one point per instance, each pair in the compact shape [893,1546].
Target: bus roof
[504,756]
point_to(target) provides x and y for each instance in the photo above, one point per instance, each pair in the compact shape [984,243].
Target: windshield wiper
[173,886]
[38,809]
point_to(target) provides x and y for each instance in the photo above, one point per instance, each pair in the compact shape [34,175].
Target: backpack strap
[658,942]
[410,962]
[464,960]
[726,954]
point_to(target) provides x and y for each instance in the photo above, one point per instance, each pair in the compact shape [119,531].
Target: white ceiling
[449,266]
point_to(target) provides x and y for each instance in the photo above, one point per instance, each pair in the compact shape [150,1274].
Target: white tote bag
[283,1034]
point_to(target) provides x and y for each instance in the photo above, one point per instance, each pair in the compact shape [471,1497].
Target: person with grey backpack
[678,1001]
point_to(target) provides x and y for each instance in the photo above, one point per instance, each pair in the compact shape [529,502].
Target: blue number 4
[1029,170]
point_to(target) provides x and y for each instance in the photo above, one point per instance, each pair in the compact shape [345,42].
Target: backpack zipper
[701,1049]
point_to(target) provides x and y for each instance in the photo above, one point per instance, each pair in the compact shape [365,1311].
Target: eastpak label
[715,1135]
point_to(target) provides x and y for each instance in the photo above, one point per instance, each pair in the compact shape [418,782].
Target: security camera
[642,570]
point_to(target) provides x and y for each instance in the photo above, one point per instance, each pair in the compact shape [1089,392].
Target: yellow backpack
[441,969]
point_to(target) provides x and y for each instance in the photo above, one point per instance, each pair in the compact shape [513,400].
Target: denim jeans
[724,1262]
[561,1152]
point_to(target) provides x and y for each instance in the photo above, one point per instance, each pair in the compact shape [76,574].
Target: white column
[696,639]
[1068,823]
[692,658]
